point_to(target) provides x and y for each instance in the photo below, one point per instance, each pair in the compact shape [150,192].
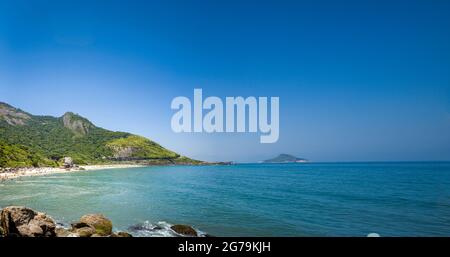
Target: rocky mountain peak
[13,116]
[76,123]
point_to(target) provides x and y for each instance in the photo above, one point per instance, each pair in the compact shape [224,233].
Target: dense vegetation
[141,148]
[29,140]
[20,156]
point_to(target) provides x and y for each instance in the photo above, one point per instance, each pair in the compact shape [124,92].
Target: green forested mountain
[30,140]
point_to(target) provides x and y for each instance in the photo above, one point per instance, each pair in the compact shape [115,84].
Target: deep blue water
[322,199]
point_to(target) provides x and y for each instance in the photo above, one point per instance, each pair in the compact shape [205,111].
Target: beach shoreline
[8,174]
[14,173]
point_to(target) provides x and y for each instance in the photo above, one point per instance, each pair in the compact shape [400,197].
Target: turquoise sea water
[322,199]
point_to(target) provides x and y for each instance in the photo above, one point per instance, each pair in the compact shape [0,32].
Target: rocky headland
[28,140]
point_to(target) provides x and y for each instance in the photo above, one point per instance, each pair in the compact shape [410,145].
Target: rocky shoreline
[20,221]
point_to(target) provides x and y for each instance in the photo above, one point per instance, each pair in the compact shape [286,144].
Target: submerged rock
[121,234]
[62,232]
[135,228]
[184,230]
[100,223]
[124,234]
[85,231]
[24,222]
[144,226]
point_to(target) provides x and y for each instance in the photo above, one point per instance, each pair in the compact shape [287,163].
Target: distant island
[285,158]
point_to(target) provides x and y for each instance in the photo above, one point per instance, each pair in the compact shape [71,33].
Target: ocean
[314,199]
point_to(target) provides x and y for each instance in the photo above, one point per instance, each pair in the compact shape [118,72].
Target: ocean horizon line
[331,162]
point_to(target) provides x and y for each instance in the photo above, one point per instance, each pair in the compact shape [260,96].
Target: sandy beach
[7,174]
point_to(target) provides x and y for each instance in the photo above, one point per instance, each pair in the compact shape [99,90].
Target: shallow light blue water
[322,199]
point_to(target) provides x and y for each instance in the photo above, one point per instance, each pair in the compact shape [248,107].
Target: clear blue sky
[357,80]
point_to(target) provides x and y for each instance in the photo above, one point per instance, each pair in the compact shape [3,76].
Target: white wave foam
[146,229]
[158,229]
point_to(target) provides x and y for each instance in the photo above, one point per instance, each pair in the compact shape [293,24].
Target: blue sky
[357,80]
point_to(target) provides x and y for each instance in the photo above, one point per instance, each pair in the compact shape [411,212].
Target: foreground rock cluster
[19,221]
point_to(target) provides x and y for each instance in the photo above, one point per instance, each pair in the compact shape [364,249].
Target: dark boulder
[77,225]
[124,234]
[143,227]
[121,234]
[184,230]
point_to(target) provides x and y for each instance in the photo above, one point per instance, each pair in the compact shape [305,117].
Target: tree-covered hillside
[20,156]
[29,140]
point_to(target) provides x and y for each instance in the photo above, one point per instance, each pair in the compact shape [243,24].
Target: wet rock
[62,232]
[102,225]
[136,227]
[85,231]
[184,230]
[143,227]
[24,222]
[77,225]
[124,234]
[121,234]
